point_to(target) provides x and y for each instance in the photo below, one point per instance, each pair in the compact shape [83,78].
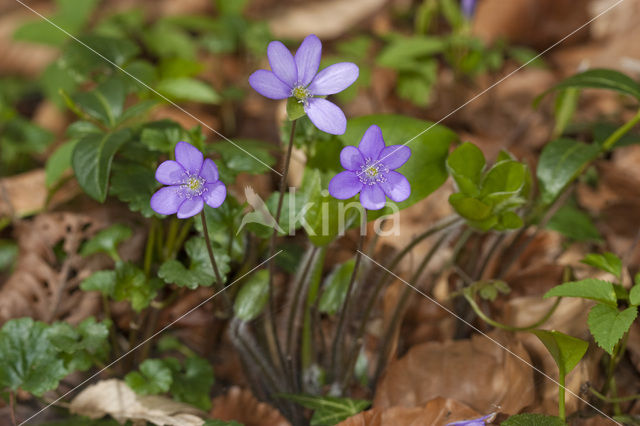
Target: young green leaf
[574,223]
[59,162]
[560,163]
[91,161]
[607,262]
[200,271]
[295,109]
[607,324]
[188,89]
[153,378]
[601,79]
[192,381]
[530,419]
[590,288]
[104,103]
[102,281]
[132,285]
[466,164]
[328,410]
[335,288]
[28,360]
[107,241]
[253,296]
[80,347]
[566,350]
[634,295]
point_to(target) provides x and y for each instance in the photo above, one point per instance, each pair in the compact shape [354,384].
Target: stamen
[372,172]
[192,186]
[301,93]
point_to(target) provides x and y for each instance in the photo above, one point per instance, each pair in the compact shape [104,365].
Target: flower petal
[214,194]
[170,173]
[268,85]
[190,207]
[394,156]
[396,187]
[372,197]
[344,185]
[308,59]
[372,143]
[189,157]
[351,158]
[166,200]
[326,116]
[282,63]
[333,79]
[209,171]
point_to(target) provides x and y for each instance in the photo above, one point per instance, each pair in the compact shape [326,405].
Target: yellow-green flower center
[300,93]
[192,186]
[372,172]
[194,183]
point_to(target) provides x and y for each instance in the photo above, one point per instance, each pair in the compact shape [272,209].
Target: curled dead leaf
[476,371]
[114,398]
[240,405]
[437,412]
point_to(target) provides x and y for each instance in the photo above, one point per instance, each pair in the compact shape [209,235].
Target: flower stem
[613,400]
[497,324]
[561,389]
[336,352]
[620,132]
[214,265]
[12,407]
[276,349]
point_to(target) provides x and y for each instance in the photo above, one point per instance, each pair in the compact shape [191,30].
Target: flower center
[372,172]
[301,93]
[192,186]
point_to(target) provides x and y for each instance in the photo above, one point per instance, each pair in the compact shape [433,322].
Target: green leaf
[192,382]
[590,288]
[154,378]
[328,410]
[566,350]
[70,15]
[335,288]
[565,106]
[466,164]
[469,207]
[574,223]
[134,184]
[59,162]
[634,295]
[429,143]
[188,89]
[132,285]
[504,180]
[405,50]
[8,254]
[533,420]
[107,241]
[79,347]
[601,79]
[28,361]
[92,158]
[200,271]
[240,162]
[607,262]
[104,103]
[253,296]
[102,281]
[608,325]
[295,109]
[560,163]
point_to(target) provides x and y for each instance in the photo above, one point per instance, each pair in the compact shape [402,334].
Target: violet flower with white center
[474,422]
[468,7]
[370,172]
[192,182]
[298,77]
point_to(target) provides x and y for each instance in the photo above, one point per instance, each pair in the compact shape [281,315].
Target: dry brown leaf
[474,371]
[437,412]
[114,398]
[326,19]
[240,405]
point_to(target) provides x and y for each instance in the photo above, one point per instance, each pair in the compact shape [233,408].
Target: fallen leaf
[474,371]
[240,405]
[436,412]
[113,397]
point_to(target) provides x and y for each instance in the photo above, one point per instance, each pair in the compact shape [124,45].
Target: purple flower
[370,172]
[298,77]
[468,8]
[192,182]
[474,422]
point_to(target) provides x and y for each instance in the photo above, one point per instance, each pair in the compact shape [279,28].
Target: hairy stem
[214,265]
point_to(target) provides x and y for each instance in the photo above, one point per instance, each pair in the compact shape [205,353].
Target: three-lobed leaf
[153,378]
[607,324]
[200,271]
